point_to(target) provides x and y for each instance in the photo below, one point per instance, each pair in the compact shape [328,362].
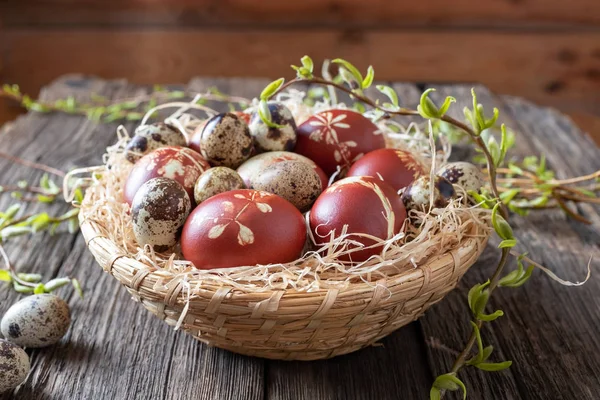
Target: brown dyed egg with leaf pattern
[295,181]
[216,180]
[463,174]
[14,365]
[159,210]
[417,195]
[151,137]
[364,204]
[179,163]
[254,166]
[394,166]
[226,141]
[266,138]
[243,227]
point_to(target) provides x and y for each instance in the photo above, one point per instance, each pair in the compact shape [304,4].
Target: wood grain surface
[117,350]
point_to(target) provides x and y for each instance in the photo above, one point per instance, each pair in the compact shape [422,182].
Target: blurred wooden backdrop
[545,50]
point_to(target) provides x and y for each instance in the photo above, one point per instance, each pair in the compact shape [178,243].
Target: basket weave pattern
[288,324]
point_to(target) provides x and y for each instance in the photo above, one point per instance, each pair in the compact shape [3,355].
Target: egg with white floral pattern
[159,210]
[274,138]
[178,163]
[463,174]
[367,206]
[243,227]
[335,138]
[418,195]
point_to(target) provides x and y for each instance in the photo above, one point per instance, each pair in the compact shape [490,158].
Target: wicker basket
[288,324]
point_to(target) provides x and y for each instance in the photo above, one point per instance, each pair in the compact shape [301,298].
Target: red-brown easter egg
[367,205]
[337,137]
[178,163]
[254,166]
[243,227]
[196,136]
[396,167]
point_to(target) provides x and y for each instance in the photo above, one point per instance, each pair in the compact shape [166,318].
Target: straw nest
[313,308]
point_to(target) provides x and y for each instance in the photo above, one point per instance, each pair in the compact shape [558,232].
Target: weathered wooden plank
[542,316]
[558,68]
[115,349]
[349,13]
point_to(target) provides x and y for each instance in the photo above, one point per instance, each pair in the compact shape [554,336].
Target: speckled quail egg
[463,174]
[159,210]
[295,181]
[217,180]
[226,141]
[36,321]
[417,194]
[14,365]
[151,137]
[273,138]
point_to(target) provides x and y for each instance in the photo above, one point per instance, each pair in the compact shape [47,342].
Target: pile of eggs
[237,193]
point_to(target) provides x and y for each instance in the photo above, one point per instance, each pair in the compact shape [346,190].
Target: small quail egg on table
[159,210]
[268,138]
[217,180]
[14,366]
[226,141]
[417,195]
[36,321]
[463,174]
[295,181]
[151,137]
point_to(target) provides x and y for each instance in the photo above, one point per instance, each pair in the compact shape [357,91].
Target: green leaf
[45,199]
[435,394]
[21,288]
[40,222]
[77,287]
[490,317]
[13,231]
[265,114]
[56,283]
[507,196]
[307,63]
[480,303]
[271,88]
[350,68]
[73,225]
[446,105]
[389,93]
[5,276]
[475,293]
[33,278]
[368,81]
[507,243]
[39,289]
[500,225]
[73,212]
[427,108]
[11,211]
[449,381]
[487,351]
[493,367]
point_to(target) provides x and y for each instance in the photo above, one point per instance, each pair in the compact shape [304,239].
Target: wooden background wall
[544,50]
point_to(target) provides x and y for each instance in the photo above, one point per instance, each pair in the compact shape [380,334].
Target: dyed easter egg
[158,212]
[253,167]
[396,167]
[337,137]
[216,180]
[418,194]
[226,141]
[243,227]
[268,138]
[196,137]
[463,174]
[367,205]
[295,181]
[151,137]
[178,163]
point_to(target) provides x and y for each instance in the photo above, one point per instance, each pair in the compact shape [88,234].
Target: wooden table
[117,350]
